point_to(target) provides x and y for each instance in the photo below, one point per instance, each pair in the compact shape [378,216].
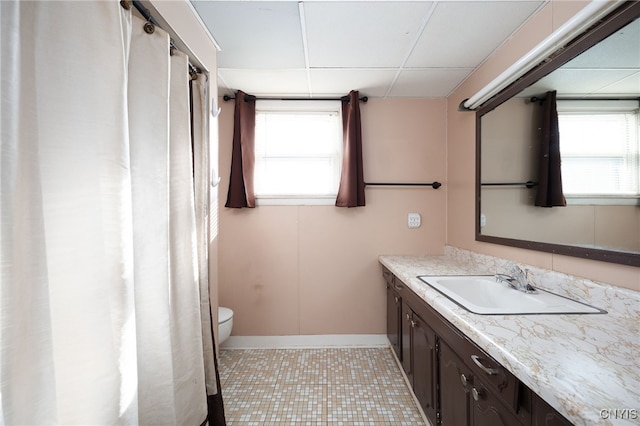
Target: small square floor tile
[328,386]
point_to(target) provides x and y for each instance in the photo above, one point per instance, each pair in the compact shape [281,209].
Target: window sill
[601,200]
[296,201]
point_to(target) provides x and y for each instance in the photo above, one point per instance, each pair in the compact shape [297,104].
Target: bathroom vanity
[512,369]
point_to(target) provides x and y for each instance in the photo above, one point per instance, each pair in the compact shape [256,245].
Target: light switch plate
[413,220]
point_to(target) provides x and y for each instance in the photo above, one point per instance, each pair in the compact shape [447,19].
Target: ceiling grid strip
[423,25]
[305,46]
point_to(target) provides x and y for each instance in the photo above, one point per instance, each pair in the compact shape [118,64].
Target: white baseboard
[307,341]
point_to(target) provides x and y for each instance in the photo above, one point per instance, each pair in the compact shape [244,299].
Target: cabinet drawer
[498,380]
[393,281]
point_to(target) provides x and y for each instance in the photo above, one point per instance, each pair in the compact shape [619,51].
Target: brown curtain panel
[351,190]
[549,175]
[243,155]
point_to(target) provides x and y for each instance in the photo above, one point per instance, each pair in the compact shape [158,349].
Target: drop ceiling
[611,68]
[413,49]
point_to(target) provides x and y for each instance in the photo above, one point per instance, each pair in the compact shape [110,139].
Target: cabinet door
[406,319]
[424,361]
[455,381]
[488,411]
[394,307]
[546,415]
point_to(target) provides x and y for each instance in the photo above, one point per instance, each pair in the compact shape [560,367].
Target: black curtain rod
[434,185]
[528,184]
[227,98]
[151,20]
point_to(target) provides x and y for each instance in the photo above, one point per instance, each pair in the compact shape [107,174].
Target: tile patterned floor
[327,386]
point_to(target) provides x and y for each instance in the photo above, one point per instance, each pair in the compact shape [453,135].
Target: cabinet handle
[476,360]
[408,317]
[477,394]
[466,380]
[397,287]
[413,323]
[397,300]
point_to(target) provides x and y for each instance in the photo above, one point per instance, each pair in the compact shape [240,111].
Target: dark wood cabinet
[487,410]
[394,311]
[454,380]
[466,399]
[546,415]
[455,392]
[424,366]
[407,313]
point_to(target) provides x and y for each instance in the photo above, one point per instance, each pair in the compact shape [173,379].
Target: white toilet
[225,323]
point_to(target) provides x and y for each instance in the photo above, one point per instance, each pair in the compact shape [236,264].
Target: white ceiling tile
[584,82]
[266,82]
[258,35]
[619,50]
[370,82]
[629,85]
[463,34]
[428,83]
[361,34]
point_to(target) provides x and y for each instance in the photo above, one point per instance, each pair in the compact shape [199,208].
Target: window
[298,147]
[599,146]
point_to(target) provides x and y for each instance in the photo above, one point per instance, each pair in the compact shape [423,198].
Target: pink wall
[297,270]
[461,161]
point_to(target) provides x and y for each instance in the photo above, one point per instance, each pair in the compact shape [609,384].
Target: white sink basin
[482,294]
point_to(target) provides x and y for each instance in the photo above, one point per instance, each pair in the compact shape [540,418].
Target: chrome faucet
[518,279]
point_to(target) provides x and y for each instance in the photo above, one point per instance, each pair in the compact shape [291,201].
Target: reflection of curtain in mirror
[549,174]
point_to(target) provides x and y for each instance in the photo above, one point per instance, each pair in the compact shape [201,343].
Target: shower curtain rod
[147,15]
[227,98]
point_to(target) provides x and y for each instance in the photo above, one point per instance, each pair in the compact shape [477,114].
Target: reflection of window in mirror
[600,145]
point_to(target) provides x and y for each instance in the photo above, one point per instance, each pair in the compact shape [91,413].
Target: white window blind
[599,147]
[298,148]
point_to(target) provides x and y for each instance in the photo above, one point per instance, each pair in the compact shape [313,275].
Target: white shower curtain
[100,299]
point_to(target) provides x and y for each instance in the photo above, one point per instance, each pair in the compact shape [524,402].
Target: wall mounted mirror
[596,79]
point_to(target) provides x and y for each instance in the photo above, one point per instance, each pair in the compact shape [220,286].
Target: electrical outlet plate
[413,220]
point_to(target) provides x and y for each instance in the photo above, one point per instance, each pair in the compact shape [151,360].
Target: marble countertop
[585,366]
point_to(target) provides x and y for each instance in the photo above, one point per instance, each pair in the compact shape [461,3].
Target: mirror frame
[623,15]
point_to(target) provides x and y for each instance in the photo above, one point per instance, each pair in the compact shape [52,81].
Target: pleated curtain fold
[201,171]
[241,193]
[105,315]
[351,190]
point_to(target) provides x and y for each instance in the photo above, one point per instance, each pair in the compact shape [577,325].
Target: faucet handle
[516,270]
